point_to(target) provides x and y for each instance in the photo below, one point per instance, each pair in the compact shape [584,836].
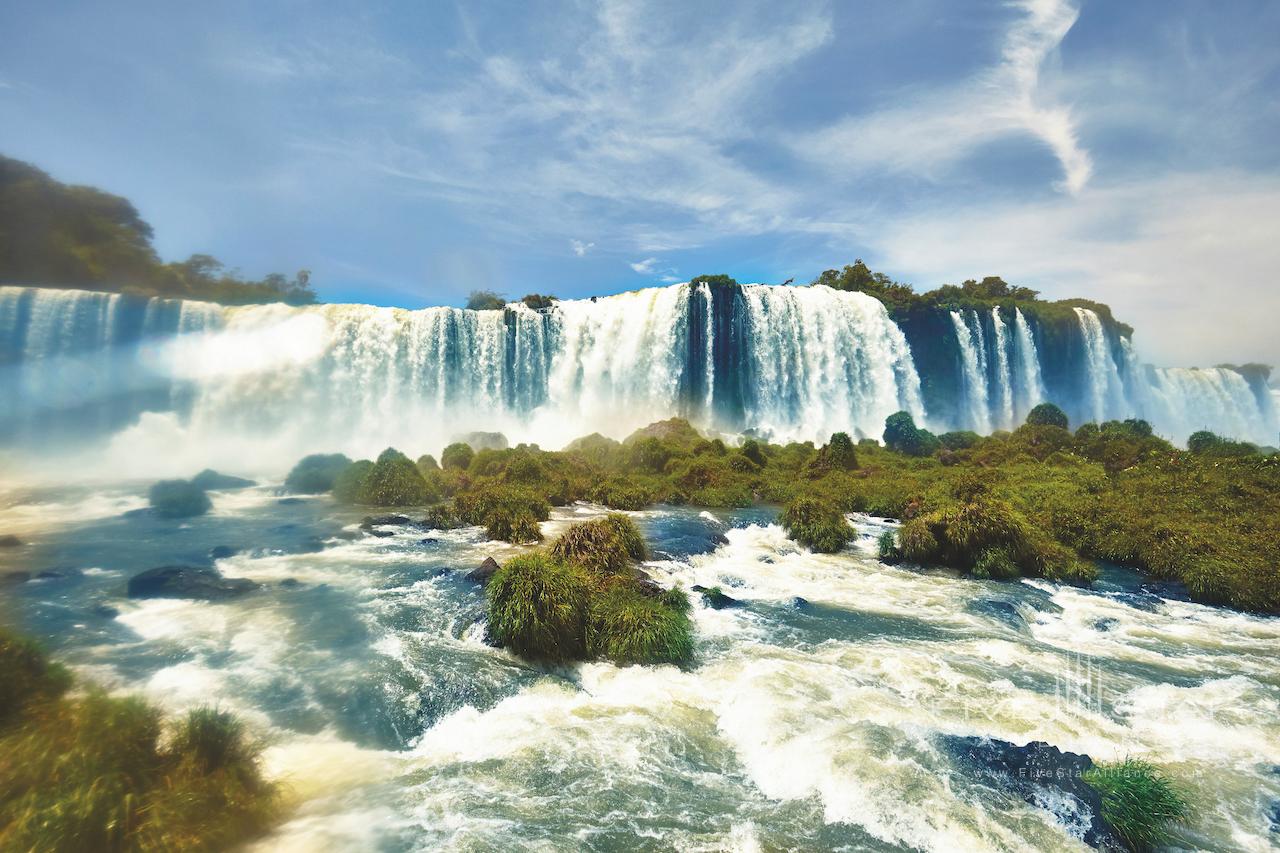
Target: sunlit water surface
[812,717]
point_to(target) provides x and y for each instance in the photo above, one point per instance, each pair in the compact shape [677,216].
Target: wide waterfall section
[162,385]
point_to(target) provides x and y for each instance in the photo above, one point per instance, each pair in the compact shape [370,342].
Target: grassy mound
[394,480]
[604,545]
[96,772]
[538,607]
[507,512]
[627,627]
[1138,801]
[315,474]
[817,524]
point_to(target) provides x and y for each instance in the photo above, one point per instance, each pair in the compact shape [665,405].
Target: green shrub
[393,480]
[752,450]
[90,773]
[995,563]
[1047,414]
[178,499]
[627,627]
[618,493]
[426,462]
[441,517]
[27,676]
[1138,801]
[887,547]
[485,300]
[903,436]
[604,545]
[347,487]
[817,524]
[836,455]
[512,524]
[538,607]
[961,440]
[315,474]
[457,455]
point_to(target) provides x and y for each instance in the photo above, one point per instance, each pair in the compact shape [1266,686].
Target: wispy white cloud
[644,267]
[654,267]
[932,131]
[1154,249]
[580,248]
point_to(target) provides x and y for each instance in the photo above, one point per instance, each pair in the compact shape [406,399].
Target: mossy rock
[178,499]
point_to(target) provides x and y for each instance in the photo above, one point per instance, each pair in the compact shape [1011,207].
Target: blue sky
[408,153]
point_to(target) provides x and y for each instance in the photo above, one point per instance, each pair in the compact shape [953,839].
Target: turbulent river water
[814,716]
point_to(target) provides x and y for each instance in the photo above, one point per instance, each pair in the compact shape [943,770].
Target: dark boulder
[105,611]
[346,535]
[429,540]
[381,534]
[178,499]
[1105,624]
[1045,777]
[10,541]
[649,588]
[715,599]
[196,582]
[221,552]
[210,479]
[719,539]
[484,571]
[1000,609]
[384,521]
[290,583]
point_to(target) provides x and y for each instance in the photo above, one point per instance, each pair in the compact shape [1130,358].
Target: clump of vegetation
[836,455]
[58,235]
[178,499]
[627,627]
[817,524]
[538,607]
[1208,443]
[458,456]
[394,480]
[538,301]
[1047,414]
[314,474]
[603,545]
[347,485]
[902,435]
[1138,801]
[93,772]
[1047,500]
[887,547]
[485,300]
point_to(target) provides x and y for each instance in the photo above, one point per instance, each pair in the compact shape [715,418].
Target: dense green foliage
[316,473]
[1040,500]
[817,524]
[1047,414]
[902,435]
[578,601]
[393,480]
[538,301]
[94,772]
[57,235]
[604,545]
[457,455]
[347,485]
[485,300]
[1138,801]
[178,499]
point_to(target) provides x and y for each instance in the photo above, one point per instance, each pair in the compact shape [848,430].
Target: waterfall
[1105,389]
[974,371]
[824,361]
[1004,381]
[264,384]
[1029,385]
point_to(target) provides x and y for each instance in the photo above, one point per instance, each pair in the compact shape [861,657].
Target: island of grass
[1040,501]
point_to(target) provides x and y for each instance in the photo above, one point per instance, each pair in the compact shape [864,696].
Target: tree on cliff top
[58,235]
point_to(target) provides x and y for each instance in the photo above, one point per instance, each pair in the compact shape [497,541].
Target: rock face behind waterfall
[791,363]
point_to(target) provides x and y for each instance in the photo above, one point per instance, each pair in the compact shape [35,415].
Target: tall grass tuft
[1138,801]
[538,607]
[817,524]
[627,627]
[603,545]
[94,772]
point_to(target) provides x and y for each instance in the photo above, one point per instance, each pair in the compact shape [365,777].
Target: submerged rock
[105,611]
[1045,777]
[484,571]
[15,577]
[1000,609]
[10,541]
[385,521]
[178,499]
[1106,623]
[196,582]
[211,479]
[715,599]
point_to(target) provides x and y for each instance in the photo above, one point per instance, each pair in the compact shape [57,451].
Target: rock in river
[196,582]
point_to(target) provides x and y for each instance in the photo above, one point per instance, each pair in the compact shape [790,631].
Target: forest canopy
[60,235]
